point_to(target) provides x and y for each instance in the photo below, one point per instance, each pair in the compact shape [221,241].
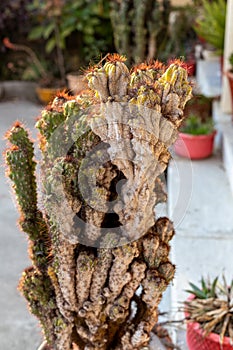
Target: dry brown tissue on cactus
[100,254]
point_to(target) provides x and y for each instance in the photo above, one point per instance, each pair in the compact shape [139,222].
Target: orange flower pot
[46,95]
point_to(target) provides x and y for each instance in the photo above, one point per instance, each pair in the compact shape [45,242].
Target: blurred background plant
[76,31]
[182,36]
[14,22]
[67,35]
[210,24]
[140,28]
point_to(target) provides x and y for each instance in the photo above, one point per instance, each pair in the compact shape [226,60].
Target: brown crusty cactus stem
[99,253]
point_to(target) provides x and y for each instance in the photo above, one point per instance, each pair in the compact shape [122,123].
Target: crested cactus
[100,256]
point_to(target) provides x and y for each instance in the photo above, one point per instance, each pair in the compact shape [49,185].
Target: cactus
[140,27]
[100,256]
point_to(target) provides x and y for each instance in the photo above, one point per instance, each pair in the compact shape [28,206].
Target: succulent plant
[195,126]
[100,256]
[212,307]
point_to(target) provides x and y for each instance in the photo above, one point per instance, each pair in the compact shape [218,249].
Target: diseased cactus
[99,254]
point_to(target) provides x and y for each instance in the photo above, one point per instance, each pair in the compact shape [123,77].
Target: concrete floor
[202,215]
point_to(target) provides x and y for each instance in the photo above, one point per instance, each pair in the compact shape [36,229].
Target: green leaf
[36,33]
[89,30]
[225,284]
[213,288]
[80,26]
[69,21]
[50,45]
[48,30]
[205,287]
[199,294]
[66,32]
[196,290]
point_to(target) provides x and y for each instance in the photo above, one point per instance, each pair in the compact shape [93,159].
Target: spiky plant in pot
[99,255]
[210,308]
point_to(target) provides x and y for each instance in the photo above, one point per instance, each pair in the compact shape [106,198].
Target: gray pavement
[19,330]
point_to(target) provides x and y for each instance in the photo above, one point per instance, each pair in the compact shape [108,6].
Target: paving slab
[204,235]
[19,330]
[205,204]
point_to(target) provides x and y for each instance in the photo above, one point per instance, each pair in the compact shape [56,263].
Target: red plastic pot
[194,146]
[197,341]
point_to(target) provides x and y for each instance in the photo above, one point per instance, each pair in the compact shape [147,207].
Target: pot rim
[191,136]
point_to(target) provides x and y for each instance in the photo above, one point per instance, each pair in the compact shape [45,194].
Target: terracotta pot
[230,80]
[46,95]
[194,146]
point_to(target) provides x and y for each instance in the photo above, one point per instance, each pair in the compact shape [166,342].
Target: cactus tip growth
[97,240]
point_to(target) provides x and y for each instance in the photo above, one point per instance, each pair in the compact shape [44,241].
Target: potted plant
[196,138]
[196,134]
[60,29]
[62,26]
[48,85]
[100,256]
[209,315]
[210,28]
[229,74]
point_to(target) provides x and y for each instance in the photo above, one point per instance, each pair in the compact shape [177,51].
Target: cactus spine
[95,244]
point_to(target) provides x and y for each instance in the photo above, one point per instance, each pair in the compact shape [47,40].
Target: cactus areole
[99,253]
